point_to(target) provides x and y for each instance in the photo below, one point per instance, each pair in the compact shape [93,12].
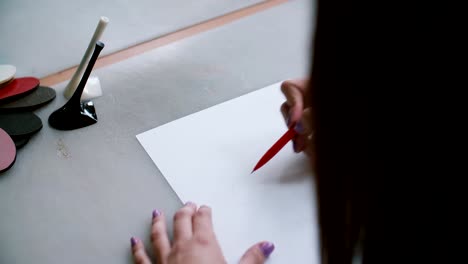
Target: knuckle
[307,114]
[284,107]
[285,85]
[183,212]
[203,240]
[178,246]
[156,234]
[139,259]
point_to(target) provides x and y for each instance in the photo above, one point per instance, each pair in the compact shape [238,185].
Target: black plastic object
[75,114]
[36,99]
[20,141]
[20,124]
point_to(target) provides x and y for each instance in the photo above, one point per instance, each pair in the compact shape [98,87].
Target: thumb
[258,253]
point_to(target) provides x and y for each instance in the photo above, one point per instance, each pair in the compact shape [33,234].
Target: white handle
[71,87]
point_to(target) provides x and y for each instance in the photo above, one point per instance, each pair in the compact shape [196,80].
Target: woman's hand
[296,112]
[194,241]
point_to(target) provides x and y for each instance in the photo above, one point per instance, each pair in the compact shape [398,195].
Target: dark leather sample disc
[20,124]
[41,96]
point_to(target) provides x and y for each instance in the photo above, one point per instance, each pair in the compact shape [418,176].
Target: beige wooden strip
[164,40]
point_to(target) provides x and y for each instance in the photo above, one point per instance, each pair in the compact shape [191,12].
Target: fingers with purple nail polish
[257,253]
[133,241]
[299,128]
[138,250]
[193,237]
[156,213]
[267,248]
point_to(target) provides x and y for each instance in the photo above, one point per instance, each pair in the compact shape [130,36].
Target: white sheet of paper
[207,158]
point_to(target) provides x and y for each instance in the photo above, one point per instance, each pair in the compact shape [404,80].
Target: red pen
[289,135]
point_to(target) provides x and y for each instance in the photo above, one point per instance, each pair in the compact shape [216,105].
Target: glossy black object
[75,114]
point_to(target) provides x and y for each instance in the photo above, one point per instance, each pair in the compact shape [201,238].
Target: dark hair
[346,191]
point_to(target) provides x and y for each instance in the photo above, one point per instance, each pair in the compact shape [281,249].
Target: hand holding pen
[296,112]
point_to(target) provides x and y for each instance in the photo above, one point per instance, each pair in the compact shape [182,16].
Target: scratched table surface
[78,196]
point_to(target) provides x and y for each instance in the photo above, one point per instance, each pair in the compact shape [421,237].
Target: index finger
[202,221]
[302,84]
[295,92]
[183,229]
[159,239]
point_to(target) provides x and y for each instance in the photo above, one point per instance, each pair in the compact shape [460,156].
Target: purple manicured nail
[288,120]
[156,213]
[267,248]
[299,128]
[294,145]
[133,241]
